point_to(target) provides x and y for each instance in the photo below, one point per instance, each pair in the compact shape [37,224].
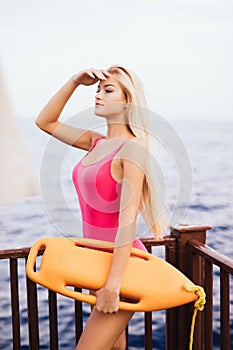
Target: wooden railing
[185,248]
[207,258]
[196,260]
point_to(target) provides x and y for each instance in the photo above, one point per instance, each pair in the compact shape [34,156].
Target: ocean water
[209,146]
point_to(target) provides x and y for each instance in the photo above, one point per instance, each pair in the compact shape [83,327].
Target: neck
[118,131]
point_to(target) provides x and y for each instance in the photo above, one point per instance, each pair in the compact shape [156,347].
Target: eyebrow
[106,85]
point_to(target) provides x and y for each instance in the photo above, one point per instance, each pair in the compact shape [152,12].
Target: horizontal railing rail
[16,253]
[212,255]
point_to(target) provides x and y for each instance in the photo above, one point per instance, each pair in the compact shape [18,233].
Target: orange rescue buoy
[149,282]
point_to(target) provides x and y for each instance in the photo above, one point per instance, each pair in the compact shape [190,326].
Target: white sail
[17,177]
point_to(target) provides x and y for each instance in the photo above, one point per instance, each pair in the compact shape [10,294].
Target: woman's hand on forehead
[90,76]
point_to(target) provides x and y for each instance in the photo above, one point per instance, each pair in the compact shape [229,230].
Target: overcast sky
[181,49]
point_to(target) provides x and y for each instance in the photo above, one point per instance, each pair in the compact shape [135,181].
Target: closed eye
[108,91]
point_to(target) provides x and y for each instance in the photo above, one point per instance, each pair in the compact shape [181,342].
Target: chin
[99,114]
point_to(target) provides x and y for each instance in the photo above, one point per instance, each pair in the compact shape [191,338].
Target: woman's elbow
[39,122]
[42,124]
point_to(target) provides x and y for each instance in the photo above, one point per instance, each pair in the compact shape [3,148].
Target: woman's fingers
[106,311]
[90,76]
[98,74]
[101,74]
[106,73]
[107,301]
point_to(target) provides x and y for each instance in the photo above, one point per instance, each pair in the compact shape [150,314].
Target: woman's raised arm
[48,121]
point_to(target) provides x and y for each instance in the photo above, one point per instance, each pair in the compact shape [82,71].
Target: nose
[98,95]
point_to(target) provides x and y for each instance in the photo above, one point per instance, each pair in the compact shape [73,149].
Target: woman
[112,182]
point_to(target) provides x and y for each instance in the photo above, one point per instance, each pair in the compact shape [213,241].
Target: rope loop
[198,306]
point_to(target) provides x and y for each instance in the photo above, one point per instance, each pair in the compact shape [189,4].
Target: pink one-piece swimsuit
[99,198]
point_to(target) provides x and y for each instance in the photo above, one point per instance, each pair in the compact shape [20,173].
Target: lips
[98,104]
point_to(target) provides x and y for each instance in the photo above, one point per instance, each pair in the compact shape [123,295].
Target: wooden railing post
[171,314]
[183,234]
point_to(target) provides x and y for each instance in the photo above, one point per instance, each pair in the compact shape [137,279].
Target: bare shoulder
[134,150]
[133,145]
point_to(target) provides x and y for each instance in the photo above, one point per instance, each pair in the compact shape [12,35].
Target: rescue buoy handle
[33,255]
[91,299]
[93,243]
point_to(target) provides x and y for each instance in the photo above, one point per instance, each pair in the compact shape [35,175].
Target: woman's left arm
[131,191]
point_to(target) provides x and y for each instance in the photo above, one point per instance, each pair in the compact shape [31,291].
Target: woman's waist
[109,235]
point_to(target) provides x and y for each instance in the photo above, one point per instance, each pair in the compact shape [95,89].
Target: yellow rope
[198,306]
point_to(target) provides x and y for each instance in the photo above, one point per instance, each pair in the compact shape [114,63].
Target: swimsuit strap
[114,151]
[94,143]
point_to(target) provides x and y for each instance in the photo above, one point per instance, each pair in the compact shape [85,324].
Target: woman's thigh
[102,330]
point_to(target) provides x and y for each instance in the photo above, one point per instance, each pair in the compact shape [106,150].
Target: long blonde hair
[150,206]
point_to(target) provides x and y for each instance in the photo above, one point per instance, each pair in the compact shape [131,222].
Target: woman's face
[110,99]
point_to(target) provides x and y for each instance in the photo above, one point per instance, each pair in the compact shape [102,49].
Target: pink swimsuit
[99,198]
